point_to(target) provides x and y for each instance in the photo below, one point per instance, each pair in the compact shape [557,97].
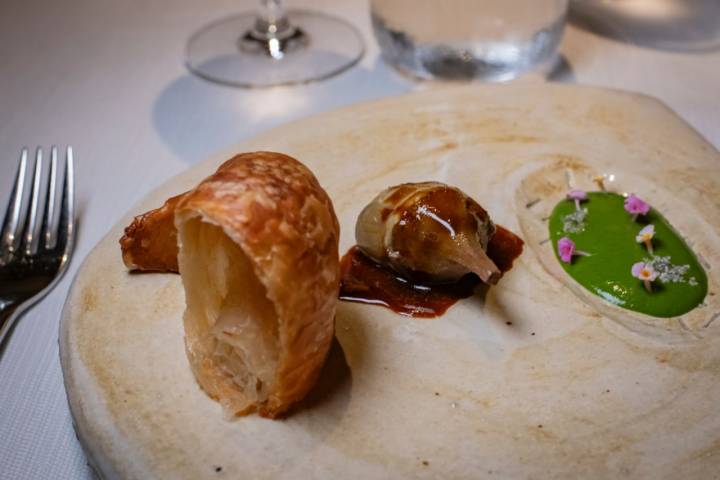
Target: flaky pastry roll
[150,241]
[258,256]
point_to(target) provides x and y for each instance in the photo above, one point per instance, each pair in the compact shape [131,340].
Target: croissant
[428,232]
[258,256]
[150,241]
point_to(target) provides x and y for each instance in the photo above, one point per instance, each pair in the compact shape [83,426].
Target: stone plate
[523,380]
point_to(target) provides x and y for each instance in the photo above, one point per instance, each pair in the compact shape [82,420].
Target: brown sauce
[504,247]
[365,281]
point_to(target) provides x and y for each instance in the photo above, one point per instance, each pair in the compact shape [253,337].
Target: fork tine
[11,224]
[50,225]
[31,229]
[66,227]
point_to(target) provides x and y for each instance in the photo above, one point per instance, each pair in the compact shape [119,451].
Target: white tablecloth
[108,78]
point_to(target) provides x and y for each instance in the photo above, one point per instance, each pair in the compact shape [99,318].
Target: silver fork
[37,237]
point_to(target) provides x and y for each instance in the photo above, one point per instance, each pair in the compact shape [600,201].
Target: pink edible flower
[578,196]
[645,236]
[644,272]
[566,250]
[636,206]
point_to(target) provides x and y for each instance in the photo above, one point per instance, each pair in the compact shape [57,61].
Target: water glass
[491,40]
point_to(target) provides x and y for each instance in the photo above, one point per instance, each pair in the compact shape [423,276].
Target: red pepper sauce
[365,281]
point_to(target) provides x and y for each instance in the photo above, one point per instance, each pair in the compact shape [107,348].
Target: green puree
[609,237]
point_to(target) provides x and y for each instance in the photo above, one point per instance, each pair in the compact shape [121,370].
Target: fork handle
[7,309]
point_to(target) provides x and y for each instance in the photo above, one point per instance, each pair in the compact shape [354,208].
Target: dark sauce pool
[365,281]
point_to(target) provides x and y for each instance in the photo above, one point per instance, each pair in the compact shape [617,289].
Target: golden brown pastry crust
[150,241]
[273,208]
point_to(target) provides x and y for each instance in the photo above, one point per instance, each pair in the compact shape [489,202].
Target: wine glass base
[224,52]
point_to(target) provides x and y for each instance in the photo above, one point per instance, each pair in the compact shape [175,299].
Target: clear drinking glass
[273,47]
[491,40]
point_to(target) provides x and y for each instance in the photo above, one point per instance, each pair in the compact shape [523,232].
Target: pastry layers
[258,255]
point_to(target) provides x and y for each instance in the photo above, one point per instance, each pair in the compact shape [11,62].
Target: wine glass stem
[271,21]
[271,10]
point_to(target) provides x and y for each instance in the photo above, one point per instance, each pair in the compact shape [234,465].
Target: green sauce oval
[608,237]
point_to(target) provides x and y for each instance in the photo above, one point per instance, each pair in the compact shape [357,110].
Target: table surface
[109,79]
